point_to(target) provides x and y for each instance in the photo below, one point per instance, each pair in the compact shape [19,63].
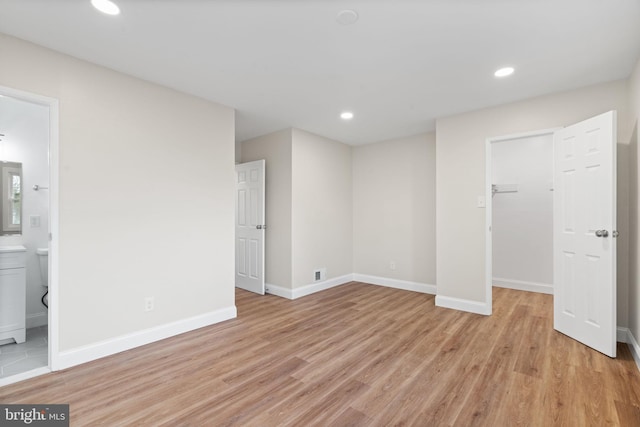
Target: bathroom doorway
[28,217]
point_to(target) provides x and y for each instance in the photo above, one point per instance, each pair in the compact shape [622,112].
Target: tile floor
[31,354]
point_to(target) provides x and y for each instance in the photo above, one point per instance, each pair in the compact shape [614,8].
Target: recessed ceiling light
[346,115]
[106,6]
[504,72]
[347,17]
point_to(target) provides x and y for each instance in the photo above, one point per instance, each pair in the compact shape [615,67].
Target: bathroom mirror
[11,204]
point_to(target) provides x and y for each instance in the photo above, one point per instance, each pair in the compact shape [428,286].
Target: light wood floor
[354,355]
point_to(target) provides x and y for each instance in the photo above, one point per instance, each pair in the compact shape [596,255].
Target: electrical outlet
[148,303]
[392,265]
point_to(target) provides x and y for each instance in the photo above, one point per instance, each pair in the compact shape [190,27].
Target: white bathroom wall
[523,220]
[26,129]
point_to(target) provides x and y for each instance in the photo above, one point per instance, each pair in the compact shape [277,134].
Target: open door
[250,226]
[584,229]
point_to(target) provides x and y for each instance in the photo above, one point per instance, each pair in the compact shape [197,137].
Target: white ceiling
[289,63]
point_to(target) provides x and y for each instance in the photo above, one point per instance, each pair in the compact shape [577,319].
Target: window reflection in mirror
[11,208]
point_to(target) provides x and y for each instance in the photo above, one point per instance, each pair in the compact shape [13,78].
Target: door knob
[602,233]
[261,227]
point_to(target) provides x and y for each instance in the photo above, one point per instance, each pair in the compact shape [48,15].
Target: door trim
[489,205]
[53,312]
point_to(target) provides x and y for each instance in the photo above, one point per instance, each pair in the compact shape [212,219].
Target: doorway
[29,124]
[522,213]
[503,188]
[584,224]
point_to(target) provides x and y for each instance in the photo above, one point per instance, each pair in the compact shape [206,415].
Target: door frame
[489,205]
[53,313]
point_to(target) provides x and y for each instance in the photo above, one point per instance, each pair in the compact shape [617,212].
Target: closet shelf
[504,188]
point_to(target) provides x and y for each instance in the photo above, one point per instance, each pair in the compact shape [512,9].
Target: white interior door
[250,226]
[584,223]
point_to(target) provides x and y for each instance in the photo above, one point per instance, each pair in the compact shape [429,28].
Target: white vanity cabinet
[13,294]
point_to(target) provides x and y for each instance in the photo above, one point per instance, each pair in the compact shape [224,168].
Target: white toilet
[43,258]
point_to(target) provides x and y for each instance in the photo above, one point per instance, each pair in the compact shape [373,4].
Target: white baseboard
[37,319]
[279,291]
[24,376]
[337,281]
[463,305]
[634,347]
[77,356]
[308,289]
[312,288]
[625,335]
[521,285]
[396,283]
[622,334]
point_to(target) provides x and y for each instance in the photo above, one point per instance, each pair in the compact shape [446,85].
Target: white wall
[394,209]
[622,218]
[146,196]
[460,177]
[321,208]
[634,202]
[238,152]
[26,129]
[309,206]
[275,149]
[522,223]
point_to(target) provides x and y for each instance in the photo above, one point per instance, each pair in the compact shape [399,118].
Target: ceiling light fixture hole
[347,17]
